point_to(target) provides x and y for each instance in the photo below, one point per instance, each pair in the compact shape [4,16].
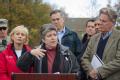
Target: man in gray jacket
[106,46]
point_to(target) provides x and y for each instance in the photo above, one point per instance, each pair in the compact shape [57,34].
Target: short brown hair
[90,20]
[57,11]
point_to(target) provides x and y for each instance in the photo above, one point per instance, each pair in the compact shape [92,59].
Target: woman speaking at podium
[50,56]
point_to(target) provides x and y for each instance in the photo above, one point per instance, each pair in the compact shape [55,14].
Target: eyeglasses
[3,28]
[57,19]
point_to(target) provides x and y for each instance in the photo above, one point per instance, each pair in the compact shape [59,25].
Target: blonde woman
[17,47]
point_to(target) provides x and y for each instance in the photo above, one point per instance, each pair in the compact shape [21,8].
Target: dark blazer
[71,40]
[85,41]
[65,62]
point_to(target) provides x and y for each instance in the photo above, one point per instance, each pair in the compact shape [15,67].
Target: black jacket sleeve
[25,62]
[74,64]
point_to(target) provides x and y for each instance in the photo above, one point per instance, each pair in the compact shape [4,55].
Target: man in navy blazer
[66,37]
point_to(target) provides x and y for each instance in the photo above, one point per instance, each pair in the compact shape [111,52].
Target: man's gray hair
[110,12]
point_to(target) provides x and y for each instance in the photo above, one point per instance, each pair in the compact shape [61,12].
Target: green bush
[118,27]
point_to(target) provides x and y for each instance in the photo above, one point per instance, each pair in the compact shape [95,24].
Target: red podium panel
[43,76]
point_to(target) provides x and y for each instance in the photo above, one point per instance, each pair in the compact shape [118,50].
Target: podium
[44,76]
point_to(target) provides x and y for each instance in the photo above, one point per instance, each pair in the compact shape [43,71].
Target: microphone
[68,58]
[39,68]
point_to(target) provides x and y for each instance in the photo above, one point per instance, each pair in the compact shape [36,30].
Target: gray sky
[79,8]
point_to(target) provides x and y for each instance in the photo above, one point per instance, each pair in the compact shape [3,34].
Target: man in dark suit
[65,35]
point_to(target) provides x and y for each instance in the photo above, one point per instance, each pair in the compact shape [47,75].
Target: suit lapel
[96,42]
[109,44]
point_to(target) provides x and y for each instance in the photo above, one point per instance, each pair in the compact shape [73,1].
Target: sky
[79,8]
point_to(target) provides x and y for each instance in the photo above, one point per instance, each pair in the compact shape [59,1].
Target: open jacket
[65,62]
[71,40]
[110,70]
[8,61]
